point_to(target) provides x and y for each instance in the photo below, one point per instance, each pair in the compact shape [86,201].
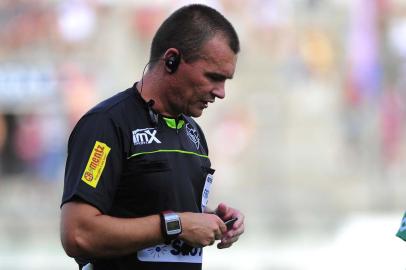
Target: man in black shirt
[138,174]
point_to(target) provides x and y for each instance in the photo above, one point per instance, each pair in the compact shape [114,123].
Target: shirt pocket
[140,166]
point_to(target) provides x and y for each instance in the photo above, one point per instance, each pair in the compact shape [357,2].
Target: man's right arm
[87,233]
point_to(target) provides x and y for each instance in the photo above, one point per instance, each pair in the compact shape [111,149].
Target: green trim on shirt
[168,151]
[170,122]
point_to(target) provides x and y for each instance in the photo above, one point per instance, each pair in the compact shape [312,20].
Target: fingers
[222,245]
[222,227]
[232,235]
[218,235]
[239,223]
[227,242]
[219,231]
[204,229]
[223,211]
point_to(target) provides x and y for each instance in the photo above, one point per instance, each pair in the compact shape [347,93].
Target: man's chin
[195,114]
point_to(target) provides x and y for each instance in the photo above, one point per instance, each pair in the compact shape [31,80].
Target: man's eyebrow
[218,76]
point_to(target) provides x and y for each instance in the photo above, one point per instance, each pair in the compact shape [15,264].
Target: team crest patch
[193,135]
[95,164]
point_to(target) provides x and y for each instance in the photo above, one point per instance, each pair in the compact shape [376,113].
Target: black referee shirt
[128,166]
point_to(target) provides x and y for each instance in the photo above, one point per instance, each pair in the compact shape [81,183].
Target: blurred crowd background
[309,143]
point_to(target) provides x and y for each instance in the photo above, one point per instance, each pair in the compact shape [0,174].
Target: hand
[200,230]
[225,213]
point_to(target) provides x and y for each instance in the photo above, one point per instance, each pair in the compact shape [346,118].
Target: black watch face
[172,225]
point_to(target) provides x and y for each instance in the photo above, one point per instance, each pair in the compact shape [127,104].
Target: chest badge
[145,136]
[193,135]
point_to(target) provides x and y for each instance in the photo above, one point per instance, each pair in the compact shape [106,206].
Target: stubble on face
[204,78]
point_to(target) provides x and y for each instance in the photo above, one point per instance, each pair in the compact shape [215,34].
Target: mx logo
[145,136]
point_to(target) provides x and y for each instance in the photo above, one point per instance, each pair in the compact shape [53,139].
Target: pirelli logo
[95,164]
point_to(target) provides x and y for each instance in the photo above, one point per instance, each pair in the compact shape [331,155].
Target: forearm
[106,236]
[109,236]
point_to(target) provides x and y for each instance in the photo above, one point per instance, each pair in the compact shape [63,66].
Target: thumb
[221,210]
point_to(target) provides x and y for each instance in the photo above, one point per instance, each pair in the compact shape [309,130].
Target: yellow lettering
[95,164]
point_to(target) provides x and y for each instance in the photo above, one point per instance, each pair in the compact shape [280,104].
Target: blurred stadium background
[310,142]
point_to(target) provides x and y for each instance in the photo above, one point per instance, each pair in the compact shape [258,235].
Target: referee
[138,174]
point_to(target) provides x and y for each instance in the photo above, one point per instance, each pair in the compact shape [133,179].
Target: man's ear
[172,59]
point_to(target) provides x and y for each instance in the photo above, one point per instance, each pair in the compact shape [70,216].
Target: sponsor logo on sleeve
[95,164]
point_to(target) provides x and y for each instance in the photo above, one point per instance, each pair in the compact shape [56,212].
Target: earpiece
[172,63]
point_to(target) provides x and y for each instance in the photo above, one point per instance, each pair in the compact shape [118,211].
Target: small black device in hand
[229,223]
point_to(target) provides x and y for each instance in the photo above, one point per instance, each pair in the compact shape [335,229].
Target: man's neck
[152,87]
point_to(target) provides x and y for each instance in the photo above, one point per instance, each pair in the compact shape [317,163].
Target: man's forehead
[221,56]
[218,42]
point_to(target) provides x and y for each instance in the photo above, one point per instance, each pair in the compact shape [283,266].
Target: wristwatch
[171,225]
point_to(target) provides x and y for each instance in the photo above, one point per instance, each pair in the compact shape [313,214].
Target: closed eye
[215,77]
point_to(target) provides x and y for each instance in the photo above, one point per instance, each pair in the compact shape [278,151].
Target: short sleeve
[94,161]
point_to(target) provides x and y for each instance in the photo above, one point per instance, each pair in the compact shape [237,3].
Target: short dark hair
[188,29]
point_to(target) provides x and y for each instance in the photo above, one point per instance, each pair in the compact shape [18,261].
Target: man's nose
[219,91]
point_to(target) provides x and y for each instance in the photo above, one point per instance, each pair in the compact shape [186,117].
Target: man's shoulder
[193,122]
[115,102]
[112,110]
